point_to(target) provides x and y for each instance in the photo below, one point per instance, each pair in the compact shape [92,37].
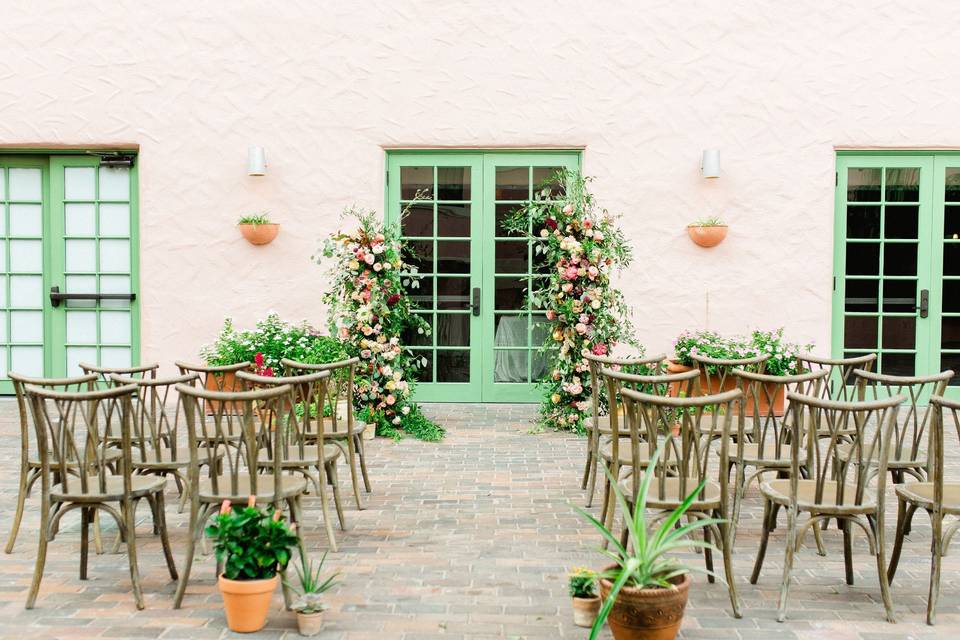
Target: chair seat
[624,453]
[778,491]
[710,498]
[163,458]
[310,455]
[290,486]
[340,433]
[140,487]
[895,461]
[921,494]
[752,454]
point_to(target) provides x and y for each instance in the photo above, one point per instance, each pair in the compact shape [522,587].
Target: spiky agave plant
[644,562]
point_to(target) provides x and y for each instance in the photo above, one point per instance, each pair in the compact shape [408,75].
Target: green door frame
[483,163]
[929,251]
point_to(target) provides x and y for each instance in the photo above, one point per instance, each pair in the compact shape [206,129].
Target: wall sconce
[710,163]
[256,161]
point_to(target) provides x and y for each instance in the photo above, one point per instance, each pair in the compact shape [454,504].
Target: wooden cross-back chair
[86,474]
[239,473]
[140,371]
[763,437]
[839,384]
[340,427]
[936,495]
[598,426]
[221,378]
[30,466]
[303,445]
[159,444]
[687,460]
[853,494]
[615,452]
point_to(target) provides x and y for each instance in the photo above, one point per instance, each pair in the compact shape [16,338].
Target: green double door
[68,265]
[485,338]
[897,261]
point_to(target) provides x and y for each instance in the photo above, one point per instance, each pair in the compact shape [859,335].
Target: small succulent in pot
[258,229]
[309,604]
[586,600]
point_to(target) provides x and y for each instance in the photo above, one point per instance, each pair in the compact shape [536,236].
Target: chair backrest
[70,428]
[663,384]
[158,416]
[297,425]
[717,371]
[249,414]
[910,431]
[645,365]
[688,458]
[946,412]
[140,371]
[839,384]
[763,426]
[215,378]
[28,435]
[339,396]
[863,429]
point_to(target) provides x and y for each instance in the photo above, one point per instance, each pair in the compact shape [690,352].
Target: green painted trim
[900,153]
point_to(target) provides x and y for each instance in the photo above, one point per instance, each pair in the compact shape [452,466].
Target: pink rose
[571,273]
[551,315]
[568,208]
[391,399]
[567,287]
[369,258]
[588,224]
[599,349]
[581,328]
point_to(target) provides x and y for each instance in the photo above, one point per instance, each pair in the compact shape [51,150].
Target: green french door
[68,265]
[486,335]
[897,266]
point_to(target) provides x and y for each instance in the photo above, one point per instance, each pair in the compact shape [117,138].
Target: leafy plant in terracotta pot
[586,600]
[707,232]
[258,229]
[309,604]
[645,593]
[254,546]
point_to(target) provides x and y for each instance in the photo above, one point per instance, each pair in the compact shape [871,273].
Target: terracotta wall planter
[730,383]
[247,602]
[647,614]
[707,236]
[260,233]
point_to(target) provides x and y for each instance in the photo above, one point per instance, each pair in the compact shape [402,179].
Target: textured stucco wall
[643,85]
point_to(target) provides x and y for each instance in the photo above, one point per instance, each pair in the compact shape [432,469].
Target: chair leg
[85,518]
[41,558]
[325,510]
[362,453]
[726,535]
[195,530]
[845,526]
[97,536]
[586,467]
[18,516]
[936,559]
[708,556]
[788,561]
[160,524]
[882,568]
[352,461]
[768,513]
[131,536]
[335,483]
[738,491]
[897,539]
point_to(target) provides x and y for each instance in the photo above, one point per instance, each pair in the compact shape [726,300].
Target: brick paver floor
[469,538]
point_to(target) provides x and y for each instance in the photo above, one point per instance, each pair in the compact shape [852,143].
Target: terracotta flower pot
[712,386]
[247,602]
[585,611]
[260,233]
[647,614]
[230,383]
[309,624]
[707,236]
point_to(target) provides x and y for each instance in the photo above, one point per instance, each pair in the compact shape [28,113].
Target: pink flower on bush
[551,314]
[599,349]
[369,258]
[588,224]
[581,328]
[390,399]
[570,273]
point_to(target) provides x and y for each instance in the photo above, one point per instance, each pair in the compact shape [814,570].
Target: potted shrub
[258,229]
[645,593]
[253,546]
[309,605]
[583,591]
[707,232]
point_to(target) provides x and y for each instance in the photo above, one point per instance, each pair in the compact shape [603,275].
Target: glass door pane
[945,294]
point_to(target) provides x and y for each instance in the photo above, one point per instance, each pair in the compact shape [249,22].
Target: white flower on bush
[405,411]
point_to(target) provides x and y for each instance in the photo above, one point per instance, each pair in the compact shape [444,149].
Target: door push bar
[56,296]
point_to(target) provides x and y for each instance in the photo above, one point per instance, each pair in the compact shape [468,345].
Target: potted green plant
[707,232]
[258,229]
[645,593]
[309,605]
[586,600]
[253,546]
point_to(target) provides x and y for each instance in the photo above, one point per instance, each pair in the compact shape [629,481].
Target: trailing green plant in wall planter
[707,232]
[258,229]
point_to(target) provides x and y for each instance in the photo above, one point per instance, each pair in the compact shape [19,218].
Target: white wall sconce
[710,163]
[256,161]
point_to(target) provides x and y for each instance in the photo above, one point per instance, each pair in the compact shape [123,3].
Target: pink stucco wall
[645,86]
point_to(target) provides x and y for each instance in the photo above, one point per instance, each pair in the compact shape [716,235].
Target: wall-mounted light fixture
[256,161]
[710,163]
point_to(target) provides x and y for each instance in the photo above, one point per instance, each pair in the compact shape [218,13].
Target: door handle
[56,296]
[475,305]
[924,303]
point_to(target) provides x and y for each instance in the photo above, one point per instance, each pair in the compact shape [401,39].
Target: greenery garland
[578,246]
[370,311]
